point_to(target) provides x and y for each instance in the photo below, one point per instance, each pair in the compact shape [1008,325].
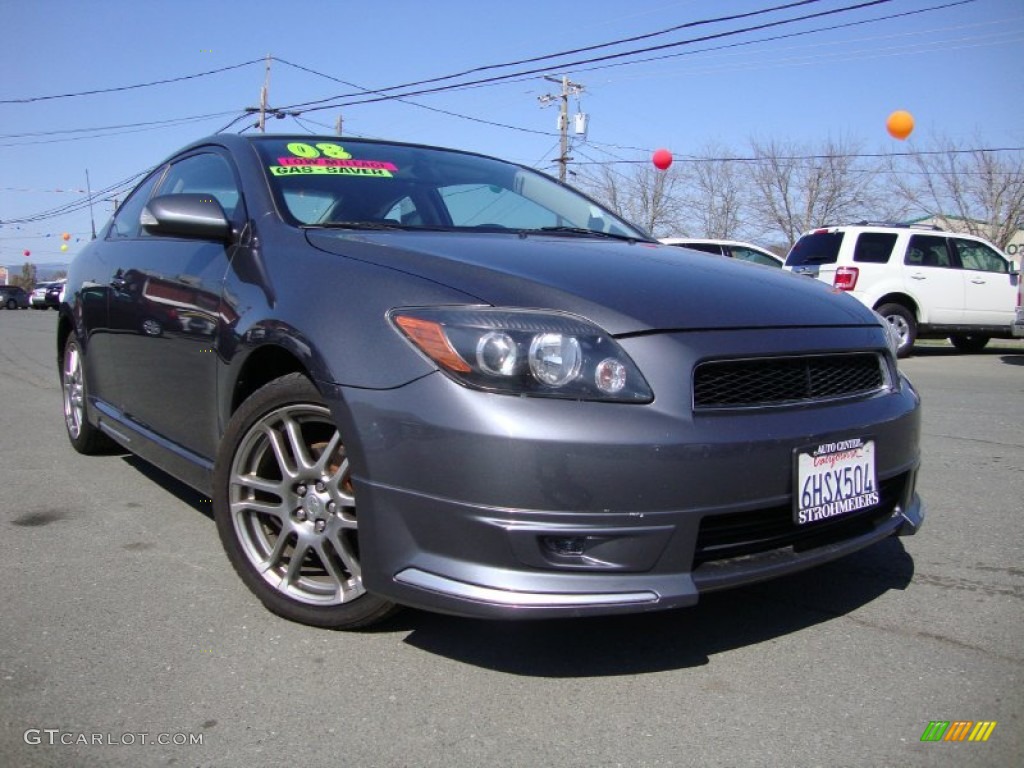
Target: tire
[12,304]
[969,342]
[282,487]
[902,319]
[84,437]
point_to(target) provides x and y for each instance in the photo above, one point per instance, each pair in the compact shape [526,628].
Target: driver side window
[977,256]
[206,173]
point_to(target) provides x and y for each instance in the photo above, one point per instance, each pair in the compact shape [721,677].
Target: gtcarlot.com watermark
[56,736]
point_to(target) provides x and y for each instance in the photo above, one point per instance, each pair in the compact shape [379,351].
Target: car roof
[918,229]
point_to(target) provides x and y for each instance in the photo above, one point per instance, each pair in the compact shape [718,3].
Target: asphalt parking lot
[128,640]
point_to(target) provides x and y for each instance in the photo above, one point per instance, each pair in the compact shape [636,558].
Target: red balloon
[27,253]
[662,159]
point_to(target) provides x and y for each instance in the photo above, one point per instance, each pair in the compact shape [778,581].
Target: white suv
[928,283]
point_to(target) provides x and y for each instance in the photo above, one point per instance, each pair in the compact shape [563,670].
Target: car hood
[623,287]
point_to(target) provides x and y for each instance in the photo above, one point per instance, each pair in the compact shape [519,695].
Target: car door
[164,313]
[933,279]
[990,291]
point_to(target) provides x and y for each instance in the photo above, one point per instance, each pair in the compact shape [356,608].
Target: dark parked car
[54,292]
[411,375]
[13,297]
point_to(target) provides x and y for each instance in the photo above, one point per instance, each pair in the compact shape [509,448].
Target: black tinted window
[816,248]
[874,247]
[927,251]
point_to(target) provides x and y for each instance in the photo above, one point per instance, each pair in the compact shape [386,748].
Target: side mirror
[186,215]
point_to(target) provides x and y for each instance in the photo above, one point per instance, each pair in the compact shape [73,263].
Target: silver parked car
[415,376]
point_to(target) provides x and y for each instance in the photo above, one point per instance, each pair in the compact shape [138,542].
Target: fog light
[565,545]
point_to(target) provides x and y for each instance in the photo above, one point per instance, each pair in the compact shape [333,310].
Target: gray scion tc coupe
[408,375]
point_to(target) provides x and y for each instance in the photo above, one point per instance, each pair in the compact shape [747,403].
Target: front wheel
[903,322]
[969,342]
[286,512]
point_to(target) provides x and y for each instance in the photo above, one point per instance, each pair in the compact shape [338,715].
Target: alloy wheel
[292,506]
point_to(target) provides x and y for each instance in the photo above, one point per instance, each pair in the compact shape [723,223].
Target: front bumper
[495,506]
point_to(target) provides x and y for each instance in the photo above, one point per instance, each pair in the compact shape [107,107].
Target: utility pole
[264,93]
[88,190]
[568,88]
[337,125]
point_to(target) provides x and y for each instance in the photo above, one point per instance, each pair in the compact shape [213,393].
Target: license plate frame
[833,480]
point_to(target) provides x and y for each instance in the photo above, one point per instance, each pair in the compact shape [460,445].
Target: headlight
[524,352]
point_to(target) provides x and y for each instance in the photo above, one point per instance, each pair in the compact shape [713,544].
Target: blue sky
[957,70]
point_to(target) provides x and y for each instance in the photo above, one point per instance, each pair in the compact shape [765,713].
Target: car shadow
[608,646]
[660,641]
[184,493]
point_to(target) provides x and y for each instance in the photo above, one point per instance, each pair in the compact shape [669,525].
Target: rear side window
[927,251]
[874,247]
[815,248]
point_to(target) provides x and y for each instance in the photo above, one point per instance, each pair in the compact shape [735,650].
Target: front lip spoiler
[473,592]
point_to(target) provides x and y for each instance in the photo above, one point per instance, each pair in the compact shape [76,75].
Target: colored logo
[958,730]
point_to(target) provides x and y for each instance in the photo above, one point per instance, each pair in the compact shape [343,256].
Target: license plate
[835,479]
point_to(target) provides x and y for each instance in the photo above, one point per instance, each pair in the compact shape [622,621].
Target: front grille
[775,381]
[738,534]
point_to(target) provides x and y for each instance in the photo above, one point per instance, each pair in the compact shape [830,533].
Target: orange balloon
[900,124]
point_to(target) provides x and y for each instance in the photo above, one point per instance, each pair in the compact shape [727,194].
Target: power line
[417,104]
[102,131]
[572,51]
[311,106]
[788,35]
[150,84]
[795,158]
[81,204]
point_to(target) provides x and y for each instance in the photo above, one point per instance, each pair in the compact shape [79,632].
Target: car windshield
[354,184]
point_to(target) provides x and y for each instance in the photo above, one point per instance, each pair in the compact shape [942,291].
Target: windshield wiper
[355,225]
[584,231]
